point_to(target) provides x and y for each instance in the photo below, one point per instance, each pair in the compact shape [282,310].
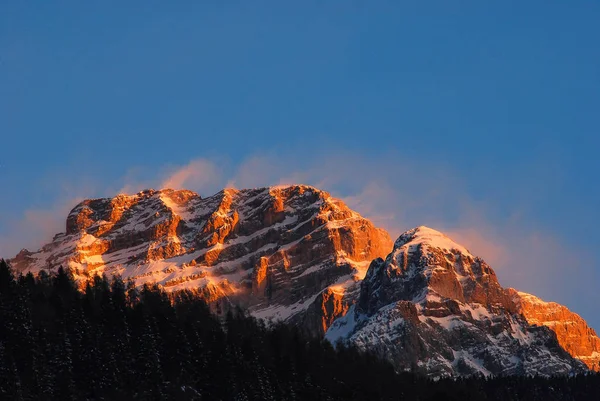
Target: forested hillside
[112,341]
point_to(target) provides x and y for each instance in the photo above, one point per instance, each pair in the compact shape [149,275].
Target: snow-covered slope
[296,254]
[434,307]
[279,251]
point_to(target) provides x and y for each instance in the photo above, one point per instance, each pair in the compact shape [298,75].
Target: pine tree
[6,390]
[10,382]
[114,342]
[62,366]
[149,361]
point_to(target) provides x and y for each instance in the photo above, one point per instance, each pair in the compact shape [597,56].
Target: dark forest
[112,341]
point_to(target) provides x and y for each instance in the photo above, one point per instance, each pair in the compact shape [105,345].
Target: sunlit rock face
[294,253]
[278,251]
[572,332]
[433,307]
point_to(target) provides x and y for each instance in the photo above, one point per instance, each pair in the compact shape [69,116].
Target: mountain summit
[433,307]
[279,251]
[426,236]
[296,254]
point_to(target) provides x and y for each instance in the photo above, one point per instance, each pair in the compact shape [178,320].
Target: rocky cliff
[433,307]
[279,251]
[294,253]
[573,333]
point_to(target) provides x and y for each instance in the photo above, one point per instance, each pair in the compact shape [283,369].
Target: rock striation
[278,251]
[433,307]
[572,332]
[296,254]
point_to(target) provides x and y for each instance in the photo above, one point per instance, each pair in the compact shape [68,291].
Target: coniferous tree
[111,341]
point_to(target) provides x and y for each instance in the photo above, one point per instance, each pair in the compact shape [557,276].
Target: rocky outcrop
[572,332]
[277,251]
[295,254]
[426,262]
[432,307]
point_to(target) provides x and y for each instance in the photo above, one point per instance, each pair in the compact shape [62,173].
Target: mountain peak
[429,237]
[432,306]
[427,265]
[279,251]
[295,186]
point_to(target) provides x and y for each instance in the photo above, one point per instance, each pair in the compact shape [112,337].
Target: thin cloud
[197,174]
[35,227]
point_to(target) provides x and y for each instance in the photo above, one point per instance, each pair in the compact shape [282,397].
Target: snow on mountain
[433,307]
[294,253]
[279,251]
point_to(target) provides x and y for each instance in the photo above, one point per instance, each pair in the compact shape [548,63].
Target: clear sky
[478,118]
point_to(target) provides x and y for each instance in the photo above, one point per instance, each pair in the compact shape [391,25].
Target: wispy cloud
[197,174]
[35,227]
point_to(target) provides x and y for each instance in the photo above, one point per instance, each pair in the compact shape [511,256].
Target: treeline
[115,342]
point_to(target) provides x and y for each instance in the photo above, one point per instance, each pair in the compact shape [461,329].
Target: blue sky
[480,119]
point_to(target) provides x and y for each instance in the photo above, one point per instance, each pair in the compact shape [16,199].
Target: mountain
[433,307]
[573,333]
[296,254]
[288,253]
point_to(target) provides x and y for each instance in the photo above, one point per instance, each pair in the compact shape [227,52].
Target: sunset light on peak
[260,201]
